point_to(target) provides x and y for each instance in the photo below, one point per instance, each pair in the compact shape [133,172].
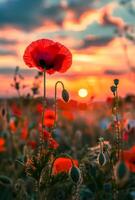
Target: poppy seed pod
[75,174]
[17,86]
[101,159]
[113,89]
[65,95]
[121,173]
[116,81]
[3,112]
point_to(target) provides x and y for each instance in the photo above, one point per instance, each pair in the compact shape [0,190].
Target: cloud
[4,41]
[114,72]
[97,41]
[7,53]
[9,70]
[29,14]
[22,14]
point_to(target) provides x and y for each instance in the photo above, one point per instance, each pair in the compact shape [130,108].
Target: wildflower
[49,118]
[68,115]
[32,144]
[82,106]
[129,158]
[12,125]
[48,55]
[16,110]
[39,108]
[63,165]
[125,136]
[53,143]
[2,145]
[70,105]
[46,135]
[24,132]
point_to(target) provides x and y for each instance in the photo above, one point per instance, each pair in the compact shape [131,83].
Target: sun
[83,92]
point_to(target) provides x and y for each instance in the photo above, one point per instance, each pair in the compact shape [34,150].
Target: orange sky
[98,53]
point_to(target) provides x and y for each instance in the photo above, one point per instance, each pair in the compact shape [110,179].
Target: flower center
[43,64]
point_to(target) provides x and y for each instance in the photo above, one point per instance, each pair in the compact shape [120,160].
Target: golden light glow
[83,92]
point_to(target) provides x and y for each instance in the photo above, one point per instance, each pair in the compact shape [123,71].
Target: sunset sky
[94,31]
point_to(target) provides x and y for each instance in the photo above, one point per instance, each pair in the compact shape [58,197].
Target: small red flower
[53,144]
[46,135]
[24,132]
[32,144]
[39,108]
[125,136]
[16,110]
[49,118]
[129,158]
[63,165]
[48,55]
[71,105]
[68,115]
[82,106]
[12,125]
[2,145]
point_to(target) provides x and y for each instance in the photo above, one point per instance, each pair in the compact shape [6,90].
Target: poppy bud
[121,173]
[113,89]
[35,90]
[5,181]
[65,95]
[116,81]
[75,174]
[3,112]
[16,69]
[17,85]
[101,159]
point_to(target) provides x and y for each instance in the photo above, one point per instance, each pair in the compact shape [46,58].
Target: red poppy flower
[39,108]
[63,165]
[48,55]
[82,106]
[129,158]
[24,132]
[12,125]
[32,144]
[16,110]
[125,136]
[46,135]
[71,105]
[68,115]
[2,145]
[53,143]
[49,118]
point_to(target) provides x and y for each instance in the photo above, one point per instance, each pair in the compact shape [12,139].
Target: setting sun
[83,92]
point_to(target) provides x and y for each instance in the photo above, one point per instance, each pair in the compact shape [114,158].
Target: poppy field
[60,148]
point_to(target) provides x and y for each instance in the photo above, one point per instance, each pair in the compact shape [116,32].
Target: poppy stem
[44,86]
[55,98]
[44,104]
